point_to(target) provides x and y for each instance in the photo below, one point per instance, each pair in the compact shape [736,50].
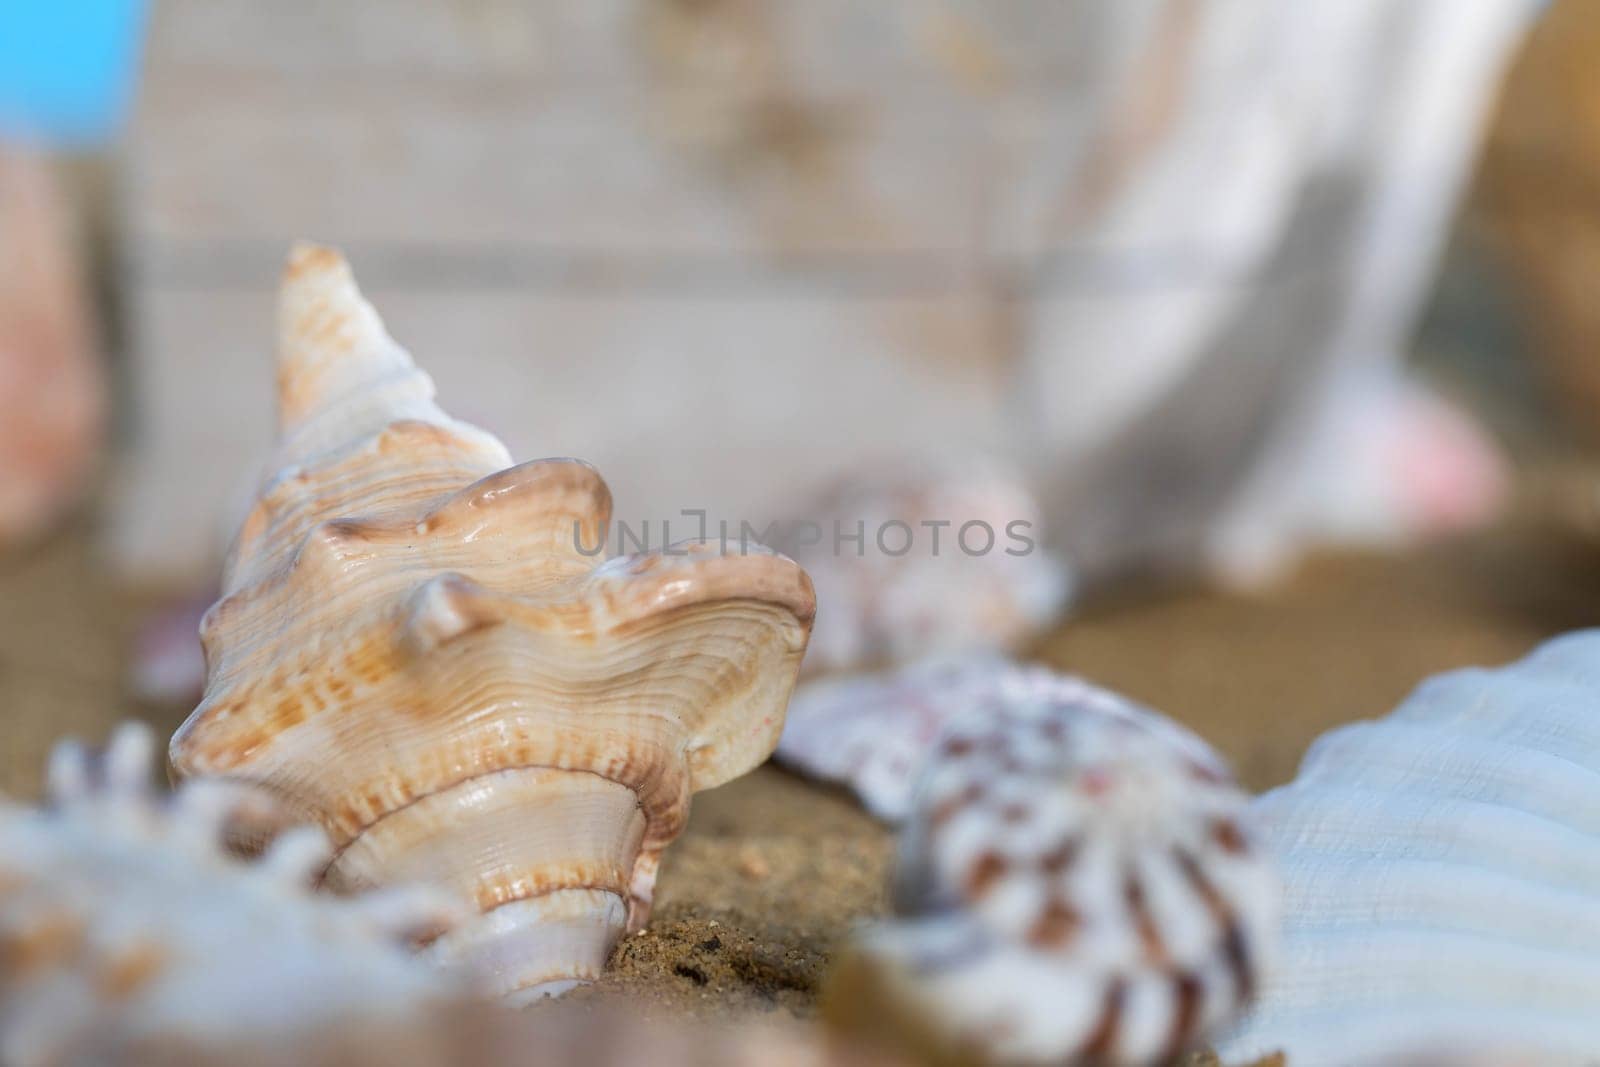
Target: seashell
[414,650]
[124,922]
[873,732]
[1075,883]
[932,560]
[52,384]
[1442,876]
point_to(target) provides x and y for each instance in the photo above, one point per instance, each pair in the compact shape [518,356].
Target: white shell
[931,560]
[1074,882]
[125,923]
[874,732]
[1442,871]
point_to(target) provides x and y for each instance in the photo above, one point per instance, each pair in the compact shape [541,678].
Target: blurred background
[1277,317]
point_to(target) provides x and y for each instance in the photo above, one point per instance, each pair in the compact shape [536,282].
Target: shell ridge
[658,581]
[342,847]
[1341,799]
[1536,711]
[277,494]
[1428,761]
[1442,896]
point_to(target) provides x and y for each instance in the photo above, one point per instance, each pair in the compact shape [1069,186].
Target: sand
[773,871]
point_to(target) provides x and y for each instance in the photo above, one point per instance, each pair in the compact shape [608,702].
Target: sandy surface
[1347,637]
[773,871]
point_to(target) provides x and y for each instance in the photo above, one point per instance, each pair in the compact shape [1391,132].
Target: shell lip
[688,572]
[611,602]
[342,846]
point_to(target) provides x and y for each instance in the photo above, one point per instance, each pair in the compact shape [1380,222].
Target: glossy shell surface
[419,648]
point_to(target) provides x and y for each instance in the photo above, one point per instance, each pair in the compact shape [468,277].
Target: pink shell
[52,387]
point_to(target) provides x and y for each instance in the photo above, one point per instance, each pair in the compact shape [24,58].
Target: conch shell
[416,648]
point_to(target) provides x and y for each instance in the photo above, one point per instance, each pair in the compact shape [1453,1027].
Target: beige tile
[505,163]
[734,404]
[824,44]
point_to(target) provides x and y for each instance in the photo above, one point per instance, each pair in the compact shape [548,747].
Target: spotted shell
[1076,881]
[873,732]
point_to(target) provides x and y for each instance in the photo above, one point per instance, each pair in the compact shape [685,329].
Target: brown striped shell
[417,649]
[1074,884]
